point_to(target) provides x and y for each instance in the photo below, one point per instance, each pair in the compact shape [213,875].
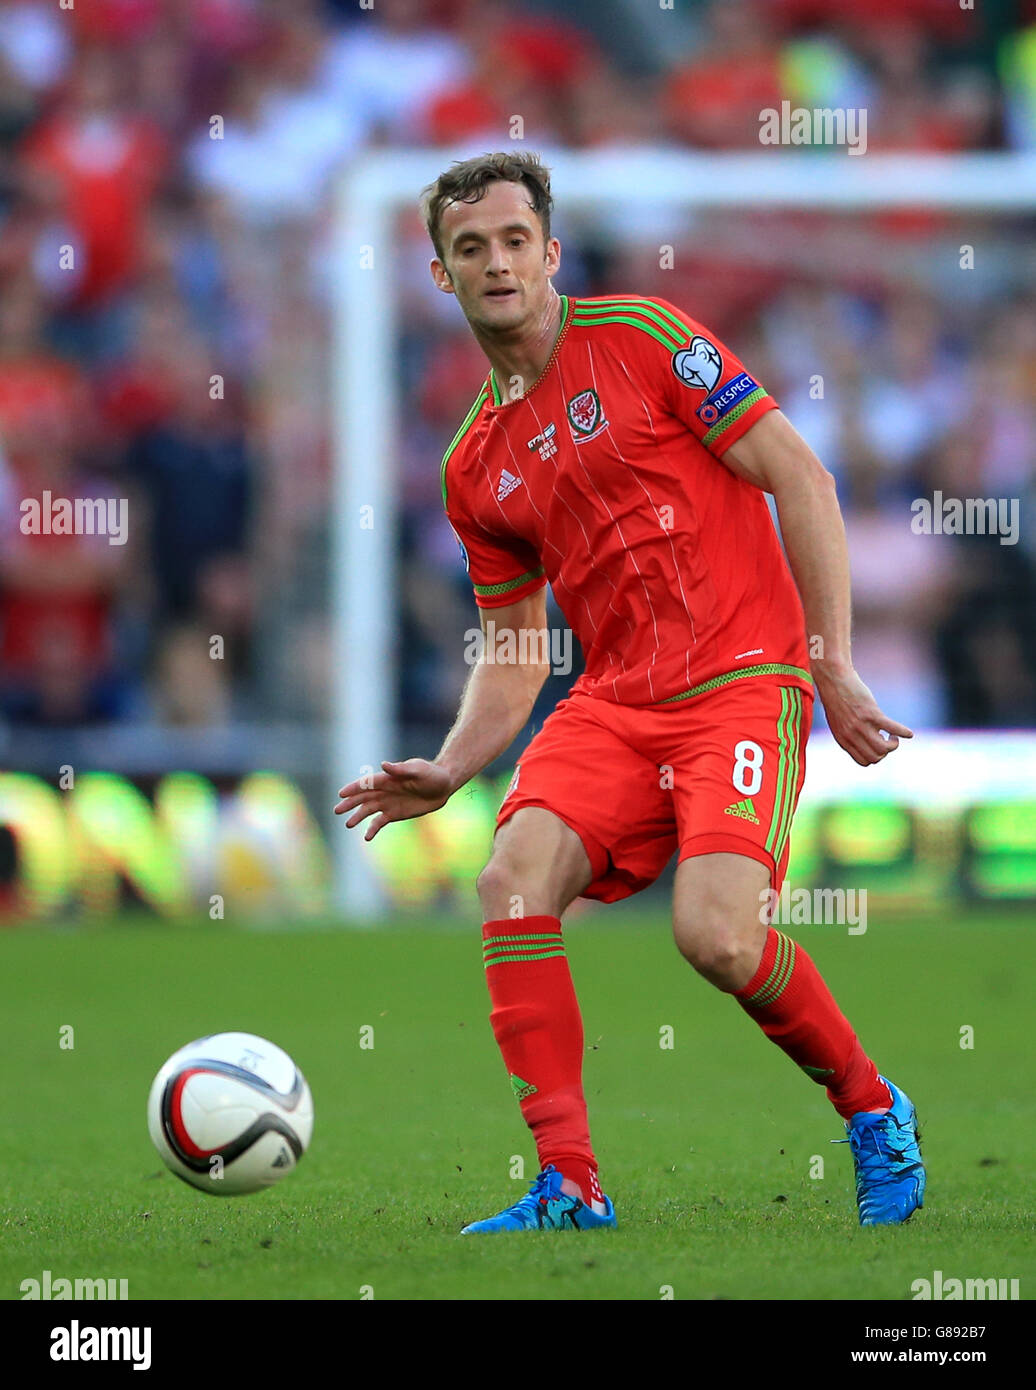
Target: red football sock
[795,1009]
[539,1029]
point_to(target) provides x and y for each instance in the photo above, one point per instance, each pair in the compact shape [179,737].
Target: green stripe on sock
[777,988]
[506,960]
[778,962]
[781,984]
[523,936]
[776,978]
[520,952]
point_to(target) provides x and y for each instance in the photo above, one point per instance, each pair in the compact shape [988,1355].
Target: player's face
[496,261]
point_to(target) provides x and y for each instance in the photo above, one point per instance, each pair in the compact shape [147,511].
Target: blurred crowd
[167,261]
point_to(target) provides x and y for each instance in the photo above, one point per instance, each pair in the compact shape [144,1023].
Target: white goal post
[364,392]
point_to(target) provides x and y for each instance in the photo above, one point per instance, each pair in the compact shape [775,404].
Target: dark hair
[467,181]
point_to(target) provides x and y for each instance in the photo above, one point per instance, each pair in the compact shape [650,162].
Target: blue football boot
[546,1208]
[890,1176]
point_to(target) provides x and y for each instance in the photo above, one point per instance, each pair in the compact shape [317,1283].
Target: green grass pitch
[706,1147]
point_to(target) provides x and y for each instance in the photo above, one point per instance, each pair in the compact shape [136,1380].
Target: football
[230,1113]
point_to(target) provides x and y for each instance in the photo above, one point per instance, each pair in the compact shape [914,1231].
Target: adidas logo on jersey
[507,484]
[744,809]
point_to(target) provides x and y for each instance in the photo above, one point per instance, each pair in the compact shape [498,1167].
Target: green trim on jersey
[469,420]
[605,302]
[769,668]
[608,310]
[650,318]
[495,590]
[744,405]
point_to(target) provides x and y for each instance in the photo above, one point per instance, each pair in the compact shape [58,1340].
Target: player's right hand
[399,792]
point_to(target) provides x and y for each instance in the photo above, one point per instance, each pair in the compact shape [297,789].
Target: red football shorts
[719,773]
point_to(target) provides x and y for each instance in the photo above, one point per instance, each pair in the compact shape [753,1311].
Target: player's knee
[718,949]
[508,888]
[490,884]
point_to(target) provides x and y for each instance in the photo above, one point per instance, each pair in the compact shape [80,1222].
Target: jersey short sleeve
[502,569]
[700,380]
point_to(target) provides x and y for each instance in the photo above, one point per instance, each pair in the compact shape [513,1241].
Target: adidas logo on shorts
[744,809]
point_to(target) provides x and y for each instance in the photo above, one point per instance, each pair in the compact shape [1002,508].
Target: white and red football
[230,1113]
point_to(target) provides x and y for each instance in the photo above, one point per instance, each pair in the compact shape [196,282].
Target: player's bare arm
[775,457]
[496,704]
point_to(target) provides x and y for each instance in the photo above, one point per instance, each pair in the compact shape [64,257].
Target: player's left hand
[854,718]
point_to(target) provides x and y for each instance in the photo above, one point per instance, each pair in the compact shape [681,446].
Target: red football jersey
[604,479]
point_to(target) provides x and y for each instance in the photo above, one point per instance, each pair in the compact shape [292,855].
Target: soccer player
[620,451]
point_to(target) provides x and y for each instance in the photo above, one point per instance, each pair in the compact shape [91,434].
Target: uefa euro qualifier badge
[698,365]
